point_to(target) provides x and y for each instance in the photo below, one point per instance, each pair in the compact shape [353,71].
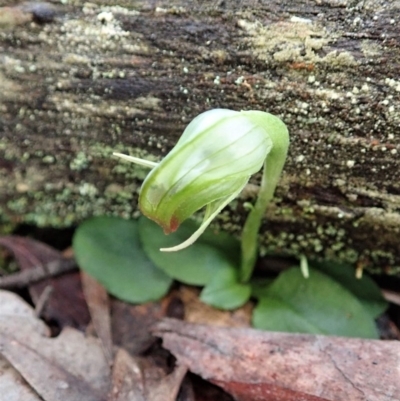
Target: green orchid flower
[209,166]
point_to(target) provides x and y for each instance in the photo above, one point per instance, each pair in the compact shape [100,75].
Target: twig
[391,296]
[43,299]
[24,278]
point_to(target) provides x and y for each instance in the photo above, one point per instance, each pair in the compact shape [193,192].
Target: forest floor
[64,338]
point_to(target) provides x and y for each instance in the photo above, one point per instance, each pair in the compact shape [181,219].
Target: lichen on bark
[98,78]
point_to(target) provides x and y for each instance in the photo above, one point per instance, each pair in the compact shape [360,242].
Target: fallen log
[80,80]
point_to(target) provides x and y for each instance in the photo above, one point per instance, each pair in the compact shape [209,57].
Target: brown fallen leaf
[167,388]
[48,377]
[12,385]
[16,315]
[65,304]
[127,379]
[69,367]
[254,365]
[131,324]
[72,366]
[136,379]
[99,307]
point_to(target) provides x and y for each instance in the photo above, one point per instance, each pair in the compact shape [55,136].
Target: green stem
[252,225]
[273,167]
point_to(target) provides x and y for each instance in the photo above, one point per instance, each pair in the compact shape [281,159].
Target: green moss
[48,159]
[80,162]
[6,227]
[18,205]
[63,203]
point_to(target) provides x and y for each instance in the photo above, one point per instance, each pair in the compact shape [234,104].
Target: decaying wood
[256,366]
[80,80]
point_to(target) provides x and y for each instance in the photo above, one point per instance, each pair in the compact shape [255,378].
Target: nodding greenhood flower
[209,166]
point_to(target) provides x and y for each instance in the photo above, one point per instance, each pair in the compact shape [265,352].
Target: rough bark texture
[98,77]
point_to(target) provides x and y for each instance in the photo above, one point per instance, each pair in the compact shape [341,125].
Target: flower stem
[273,167]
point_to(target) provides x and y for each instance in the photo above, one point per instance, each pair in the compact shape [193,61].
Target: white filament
[136,160]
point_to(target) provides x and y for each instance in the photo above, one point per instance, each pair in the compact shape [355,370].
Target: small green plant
[209,166]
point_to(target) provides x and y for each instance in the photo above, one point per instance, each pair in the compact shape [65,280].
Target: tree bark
[80,80]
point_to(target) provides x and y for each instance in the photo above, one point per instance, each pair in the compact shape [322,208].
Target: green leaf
[365,289]
[108,248]
[195,265]
[318,305]
[225,292]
